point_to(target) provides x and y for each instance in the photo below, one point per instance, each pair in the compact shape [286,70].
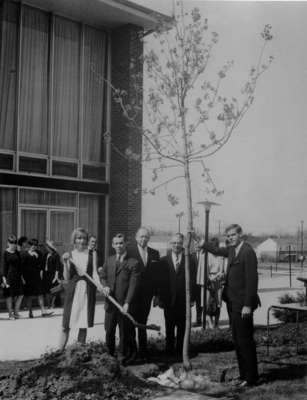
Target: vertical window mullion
[50,88]
[18,86]
[81,102]
[108,142]
[78,210]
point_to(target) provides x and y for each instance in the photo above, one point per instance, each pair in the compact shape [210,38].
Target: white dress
[79,310]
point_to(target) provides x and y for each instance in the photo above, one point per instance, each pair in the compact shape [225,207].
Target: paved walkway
[29,338]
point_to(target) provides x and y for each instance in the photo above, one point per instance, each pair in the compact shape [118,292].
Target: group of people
[29,271]
[138,276]
[133,279]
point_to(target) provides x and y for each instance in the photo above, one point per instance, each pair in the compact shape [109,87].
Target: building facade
[61,138]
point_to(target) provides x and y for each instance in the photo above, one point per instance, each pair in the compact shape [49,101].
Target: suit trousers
[245,347]
[140,313]
[174,318]
[114,317]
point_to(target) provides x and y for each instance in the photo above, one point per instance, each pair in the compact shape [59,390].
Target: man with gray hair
[173,293]
[240,294]
[148,259]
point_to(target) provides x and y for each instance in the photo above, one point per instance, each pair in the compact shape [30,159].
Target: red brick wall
[126,176]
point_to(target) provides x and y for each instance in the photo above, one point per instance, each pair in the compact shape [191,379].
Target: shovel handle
[120,308]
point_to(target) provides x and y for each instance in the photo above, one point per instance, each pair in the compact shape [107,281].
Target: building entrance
[45,223]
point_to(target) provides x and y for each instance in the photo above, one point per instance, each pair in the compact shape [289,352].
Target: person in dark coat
[148,259]
[240,294]
[32,270]
[52,268]
[12,279]
[172,293]
[119,277]
[198,292]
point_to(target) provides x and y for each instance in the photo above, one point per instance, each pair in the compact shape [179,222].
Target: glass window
[65,169]
[8,75]
[89,213]
[48,198]
[33,224]
[7,215]
[44,128]
[30,164]
[66,88]
[34,81]
[94,71]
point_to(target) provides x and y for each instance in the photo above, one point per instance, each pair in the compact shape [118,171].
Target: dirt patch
[88,373]
[79,373]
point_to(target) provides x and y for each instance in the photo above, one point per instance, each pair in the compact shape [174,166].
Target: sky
[262,170]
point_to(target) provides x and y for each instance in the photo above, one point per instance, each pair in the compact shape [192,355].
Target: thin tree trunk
[186,341]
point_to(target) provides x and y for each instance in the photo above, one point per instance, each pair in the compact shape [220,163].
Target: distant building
[56,170]
[267,250]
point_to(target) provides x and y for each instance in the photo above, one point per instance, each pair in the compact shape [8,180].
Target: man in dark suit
[198,291]
[148,259]
[240,294]
[172,293]
[119,277]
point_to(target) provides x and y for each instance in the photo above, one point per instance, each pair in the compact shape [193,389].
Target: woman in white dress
[80,293]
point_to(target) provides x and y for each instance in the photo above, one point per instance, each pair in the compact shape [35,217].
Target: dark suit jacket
[122,281]
[149,273]
[241,276]
[172,291]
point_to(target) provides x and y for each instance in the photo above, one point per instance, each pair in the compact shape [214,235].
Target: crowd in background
[29,271]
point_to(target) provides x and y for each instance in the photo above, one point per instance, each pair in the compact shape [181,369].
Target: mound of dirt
[84,372]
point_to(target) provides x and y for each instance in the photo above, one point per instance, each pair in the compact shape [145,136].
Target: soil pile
[80,373]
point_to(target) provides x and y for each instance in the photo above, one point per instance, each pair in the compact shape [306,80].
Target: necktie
[144,257]
[177,263]
[117,261]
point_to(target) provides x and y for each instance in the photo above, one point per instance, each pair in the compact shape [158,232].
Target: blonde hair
[77,232]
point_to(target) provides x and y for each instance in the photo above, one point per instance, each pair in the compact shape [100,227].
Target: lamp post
[179,216]
[302,244]
[207,205]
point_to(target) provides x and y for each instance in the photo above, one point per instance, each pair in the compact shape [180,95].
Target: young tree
[184,126]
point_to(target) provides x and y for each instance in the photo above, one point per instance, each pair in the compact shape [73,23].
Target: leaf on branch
[221,74]
[212,136]
[266,33]
[154,175]
[195,13]
[172,199]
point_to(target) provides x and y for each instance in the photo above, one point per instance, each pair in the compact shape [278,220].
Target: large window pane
[47,198]
[34,224]
[7,215]
[89,213]
[34,81]
[66,88]
[8,75]
[94,70]
[62,223]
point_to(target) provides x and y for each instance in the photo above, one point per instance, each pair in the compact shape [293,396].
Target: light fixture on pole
[207,205]
[179,216]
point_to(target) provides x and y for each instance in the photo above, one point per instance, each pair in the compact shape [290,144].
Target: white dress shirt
[176,258]
[144,254]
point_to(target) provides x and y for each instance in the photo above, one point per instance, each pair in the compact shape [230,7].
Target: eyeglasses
[12,241]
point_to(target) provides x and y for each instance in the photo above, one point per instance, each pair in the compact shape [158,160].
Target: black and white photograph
[153,191]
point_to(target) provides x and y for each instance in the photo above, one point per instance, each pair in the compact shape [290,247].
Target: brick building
[56,170]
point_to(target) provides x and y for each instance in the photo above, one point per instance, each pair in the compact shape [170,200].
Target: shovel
[152,327]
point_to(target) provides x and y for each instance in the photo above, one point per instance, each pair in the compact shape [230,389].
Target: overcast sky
[262,170]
